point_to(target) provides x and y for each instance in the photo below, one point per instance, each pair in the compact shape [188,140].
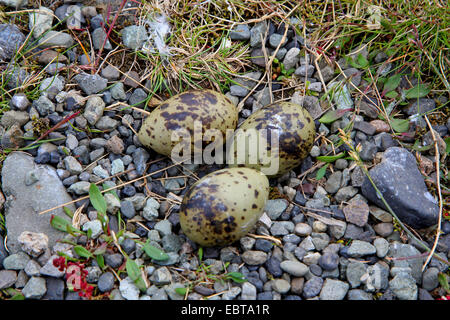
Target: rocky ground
[324,234]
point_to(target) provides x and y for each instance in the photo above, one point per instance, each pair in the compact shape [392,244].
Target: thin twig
[438,229]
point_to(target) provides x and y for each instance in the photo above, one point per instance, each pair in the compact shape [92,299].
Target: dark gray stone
[55,289]
[241,32]
[365,127]
[312,287]
[106,282]
[114,260]
[127,209]
[91,84]
[403,187]
[7,278]
[11,38]
[421,106]
[329,261]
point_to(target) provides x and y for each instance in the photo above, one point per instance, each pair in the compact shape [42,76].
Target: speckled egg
[288,124]
[210,109]
[223,206]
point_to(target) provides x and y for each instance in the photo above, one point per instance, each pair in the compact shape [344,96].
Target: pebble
[334,182]
[382,247]
[384,229]
[241,33]
[305,71]
[114,260]
[360,248]
[404,286]
[274,208]
[90,84]
[106,282]
[345,193]
[134,37]
[98,40]
[254,258]
[302,229]
[334,290]
[329,261]
[55,289]
[7,278]
[294,268]
[354,271]
[357,212]
[164,227]
[35,288]
[128,289]
[273,267]
[358,294]
[95,226]
[291,58]
[16,261]
[248,291]
[312,287]
[430,280]
[127,209]
[33,243]
[257,33]
[281,286]
[32,268]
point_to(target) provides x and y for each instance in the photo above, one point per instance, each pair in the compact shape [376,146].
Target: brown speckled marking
[210,108]
[294,127]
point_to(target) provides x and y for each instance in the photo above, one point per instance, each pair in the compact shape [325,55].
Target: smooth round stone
[106,282]
[302,229]
[382,247]
[329,261]
[281,286]
[384,229]
[315,270]
[294,268]
[128,245]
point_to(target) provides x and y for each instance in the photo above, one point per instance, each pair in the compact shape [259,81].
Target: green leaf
[97,199]
[330,158]
[236,277]
[154,252]
[447,145]
[68,212]
[17,296]
[444,282]
[200,254]
[416,92]
[400,125]
[362,61]
[321,172]
[100,261]
[392,83]
[63,225]
[89,233]
[134,273]
[333,115]
[59,223]
[83,252]
[181,291]
[391,94]
[416,147]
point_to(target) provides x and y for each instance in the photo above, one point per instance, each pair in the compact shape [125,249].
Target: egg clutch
[225,205]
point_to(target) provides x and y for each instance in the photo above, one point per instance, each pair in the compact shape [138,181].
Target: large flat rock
[25,198]
[403,187]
